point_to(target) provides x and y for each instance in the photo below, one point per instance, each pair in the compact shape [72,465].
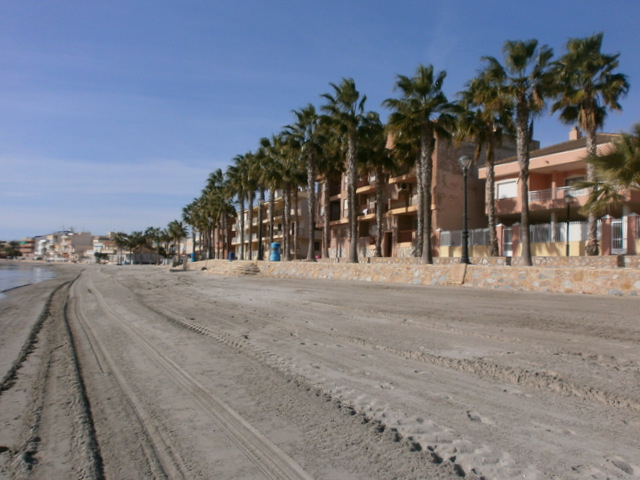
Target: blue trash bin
[232,256]
[275,252]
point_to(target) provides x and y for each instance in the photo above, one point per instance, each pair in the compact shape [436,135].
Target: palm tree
[272,149]
[345,112]
[177,231]
[421,114]
[153,235]
[136,241]
[190,217]
[616,171]
[526,81]
[305,132]
[330,165]
[214,212]
[485,115]
[165,238]
[251,188]
[292,175]
[121,240]
[260,166]
[588,88]
[373,155]
[236,176]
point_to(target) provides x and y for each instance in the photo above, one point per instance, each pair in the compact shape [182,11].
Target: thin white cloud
[44,176]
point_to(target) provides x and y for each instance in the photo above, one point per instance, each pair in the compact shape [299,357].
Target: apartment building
[247,244]
[557,226]
[27,247]
[400,209]
[554,203]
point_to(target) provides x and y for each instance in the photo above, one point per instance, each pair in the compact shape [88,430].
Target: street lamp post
[567,198]
[465,163]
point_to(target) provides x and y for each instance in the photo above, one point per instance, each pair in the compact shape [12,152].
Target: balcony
[403,205]
[542,200]
[408,173]
[366,184]
[550,194]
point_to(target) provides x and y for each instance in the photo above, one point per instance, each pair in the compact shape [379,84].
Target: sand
[136,372]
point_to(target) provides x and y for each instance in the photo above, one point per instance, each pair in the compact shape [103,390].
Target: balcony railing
[559,193]
[540,233]
[402,203]
[453,238]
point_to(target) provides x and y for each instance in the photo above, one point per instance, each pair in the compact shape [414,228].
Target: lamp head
[465,162]
[568,197]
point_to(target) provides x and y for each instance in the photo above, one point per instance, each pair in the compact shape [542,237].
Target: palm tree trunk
[490,196]
[241,256]
[210,243]
[296,219]
[272,199]
[250,212]
[379,210]
[522,140]
[427,253]
[311,178]
[326,221]
[222,234]
[260,220]
[592,236]
[286,219]
[421,207]
[426,150]
[210,240]
[352,178]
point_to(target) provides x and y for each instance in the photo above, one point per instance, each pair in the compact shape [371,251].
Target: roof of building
[563,147]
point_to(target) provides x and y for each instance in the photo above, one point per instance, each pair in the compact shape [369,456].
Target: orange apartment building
[299,222]
[27,247]
[401,205]
[554,203]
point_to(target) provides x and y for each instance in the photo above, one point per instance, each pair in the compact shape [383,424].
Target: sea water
[14,275]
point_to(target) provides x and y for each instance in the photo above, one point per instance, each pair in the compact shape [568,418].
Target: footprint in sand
[476,417]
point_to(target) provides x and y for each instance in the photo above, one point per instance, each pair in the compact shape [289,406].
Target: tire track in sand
[266,456]
[163,461]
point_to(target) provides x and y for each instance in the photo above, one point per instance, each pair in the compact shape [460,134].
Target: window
[507,189]
[571,181]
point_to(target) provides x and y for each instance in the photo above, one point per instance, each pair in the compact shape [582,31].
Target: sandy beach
[136,372]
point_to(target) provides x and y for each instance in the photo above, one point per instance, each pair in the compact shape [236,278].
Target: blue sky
[113,113]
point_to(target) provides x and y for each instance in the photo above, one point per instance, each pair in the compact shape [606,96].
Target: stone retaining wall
[600,281]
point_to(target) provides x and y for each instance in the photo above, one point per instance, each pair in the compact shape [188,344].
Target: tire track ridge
[323,387]
[92,463]
[57,349]
[267,456]
[28,346]
[160,456]
[534,380]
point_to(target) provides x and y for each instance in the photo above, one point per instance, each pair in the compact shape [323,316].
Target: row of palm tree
[343,138]
[152,237]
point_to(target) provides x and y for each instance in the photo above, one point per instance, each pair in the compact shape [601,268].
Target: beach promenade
[141,372]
